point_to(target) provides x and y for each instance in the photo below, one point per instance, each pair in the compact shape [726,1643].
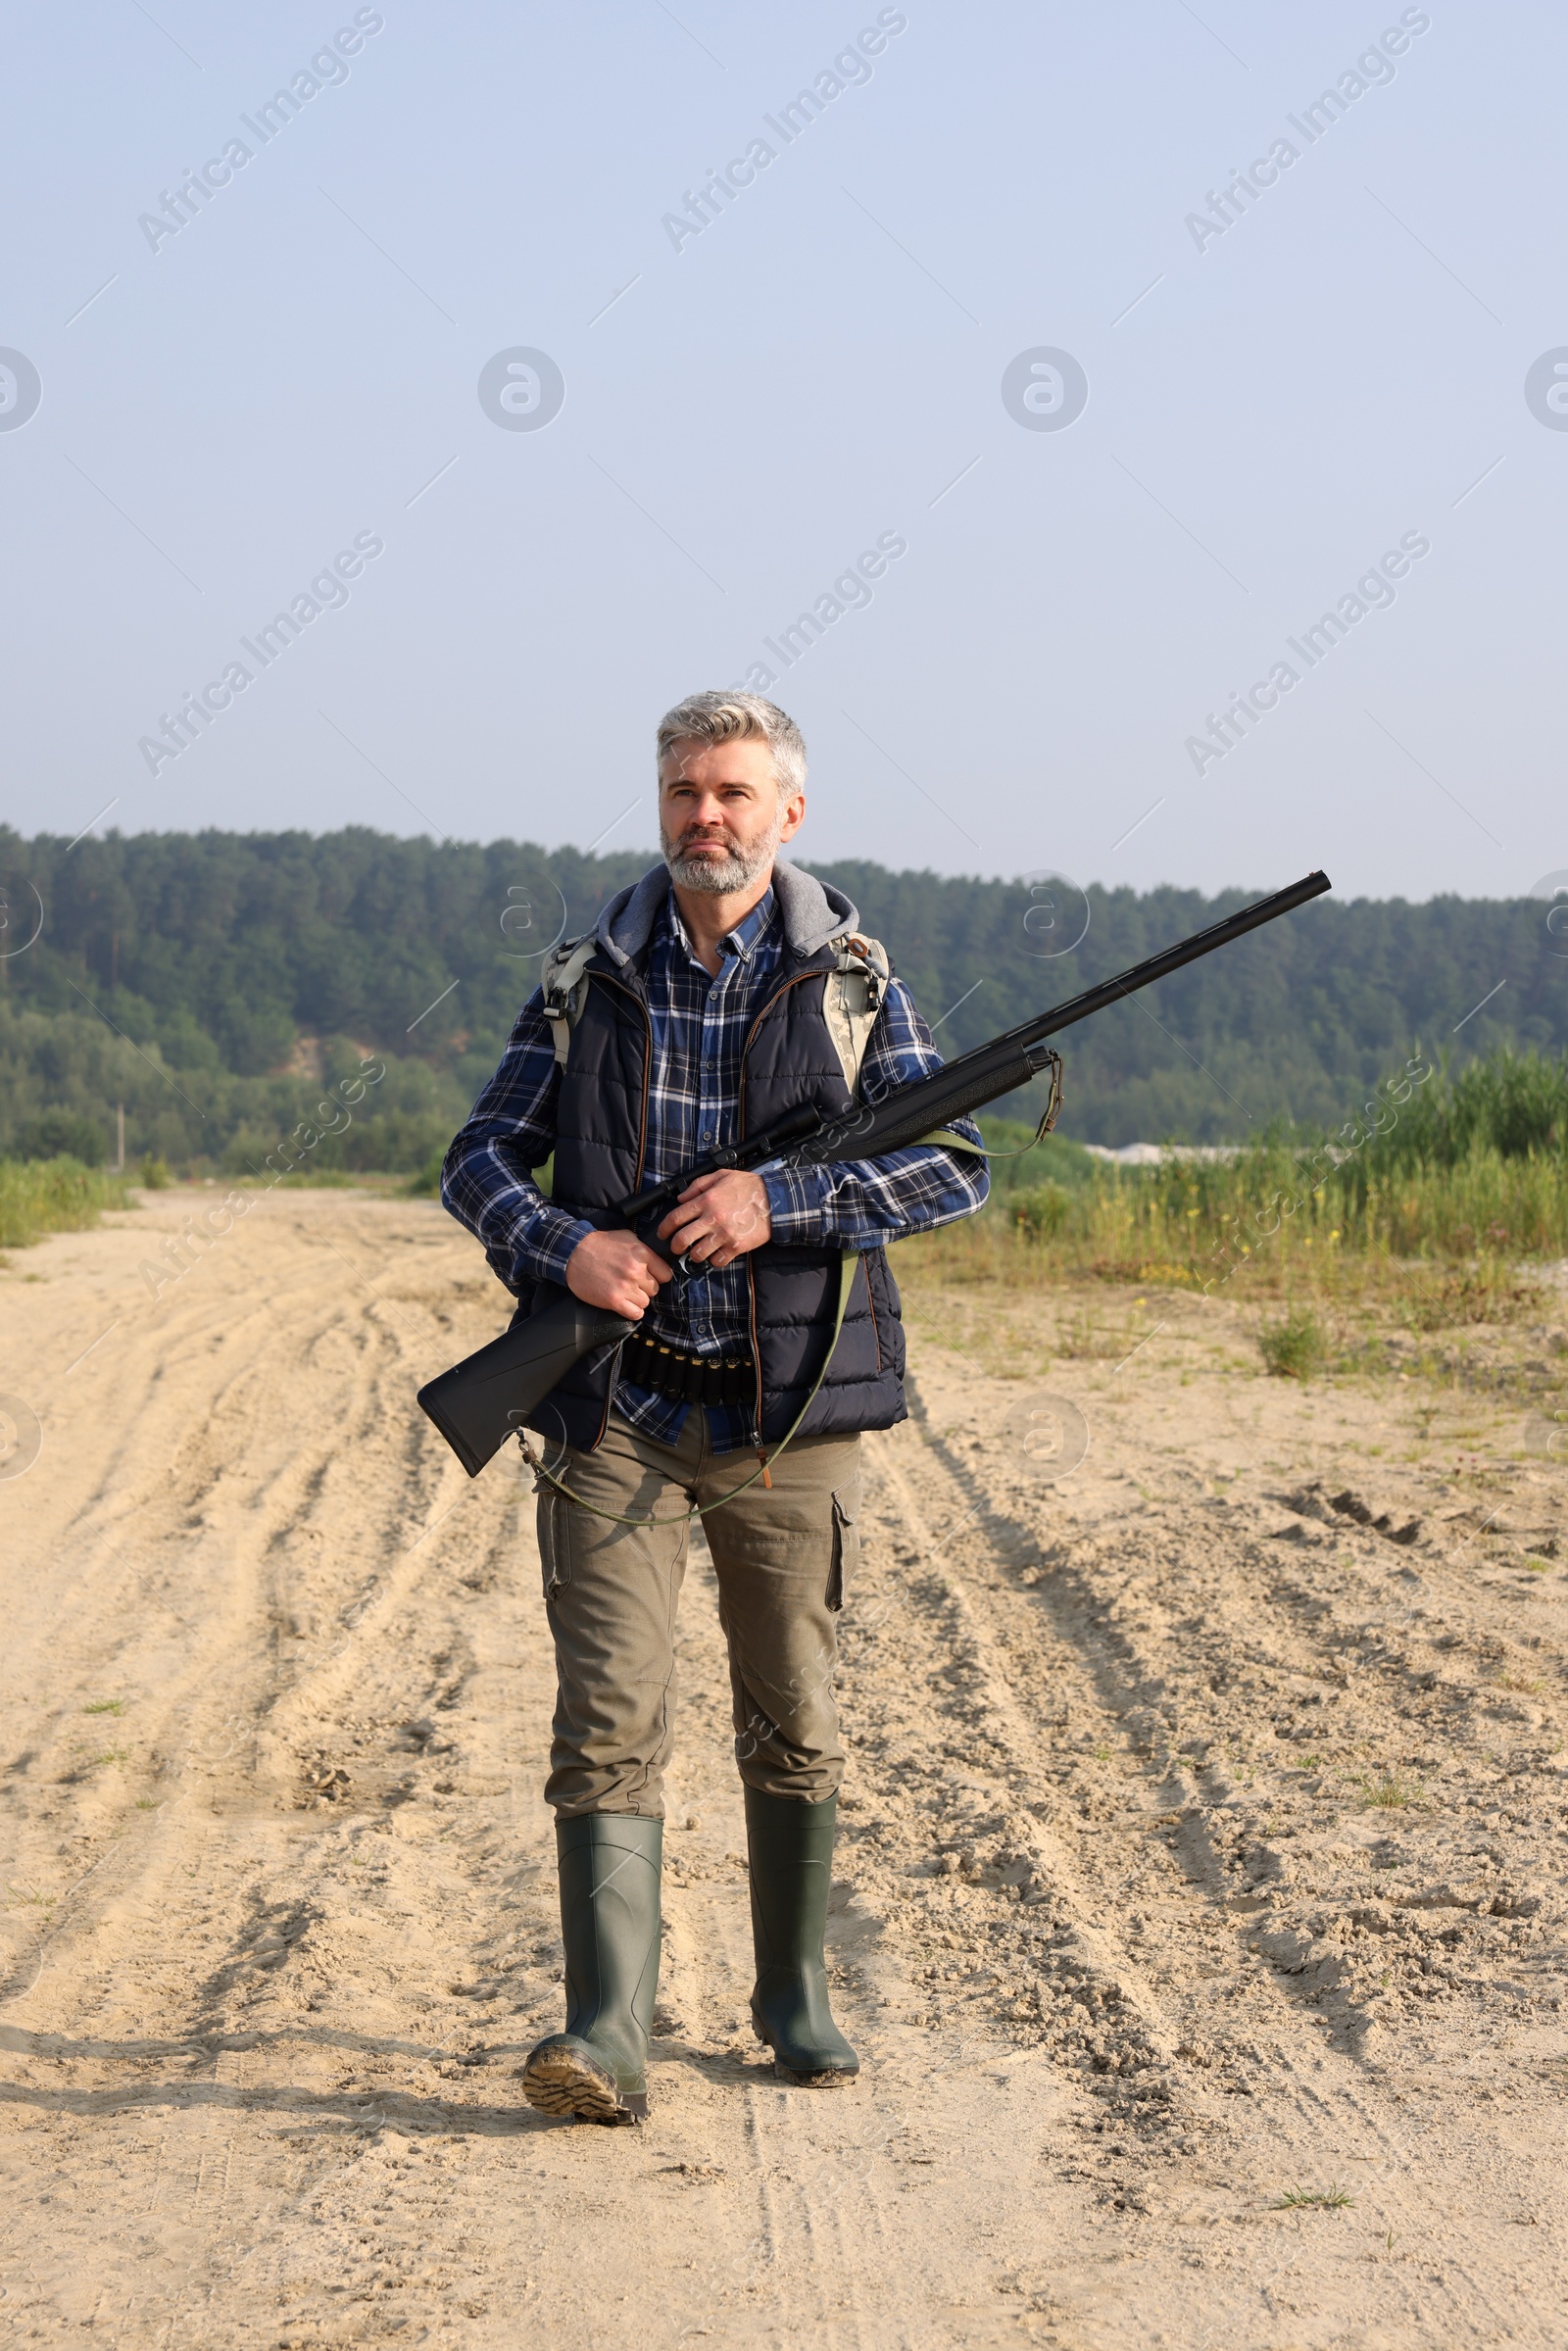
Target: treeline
[216,984]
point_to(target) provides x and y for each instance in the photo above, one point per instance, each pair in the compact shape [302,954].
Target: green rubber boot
[791,1850]
[598,2068]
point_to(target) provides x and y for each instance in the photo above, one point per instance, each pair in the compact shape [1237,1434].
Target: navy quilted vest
[601,1125]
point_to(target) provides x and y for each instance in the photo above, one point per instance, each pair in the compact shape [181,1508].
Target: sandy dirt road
[1203,1848]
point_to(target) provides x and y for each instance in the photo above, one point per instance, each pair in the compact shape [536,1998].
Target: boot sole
[828,2079]
[562,2079]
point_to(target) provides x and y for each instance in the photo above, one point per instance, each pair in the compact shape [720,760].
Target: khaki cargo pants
[611,1592]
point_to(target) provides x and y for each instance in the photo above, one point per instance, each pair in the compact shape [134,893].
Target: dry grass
[1327,1251]
[1318,1309]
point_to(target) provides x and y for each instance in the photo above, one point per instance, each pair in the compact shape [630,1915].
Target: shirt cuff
[549,1238]
[797,1203]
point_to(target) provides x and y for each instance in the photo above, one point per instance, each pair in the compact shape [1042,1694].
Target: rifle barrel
[1009,1060]
[1161,967]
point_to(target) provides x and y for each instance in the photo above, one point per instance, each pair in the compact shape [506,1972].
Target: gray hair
[712,718]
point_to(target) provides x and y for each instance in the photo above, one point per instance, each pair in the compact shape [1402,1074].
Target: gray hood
[812,913]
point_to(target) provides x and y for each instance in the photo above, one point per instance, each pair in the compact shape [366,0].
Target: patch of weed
[1292,1344]
[1390,1793]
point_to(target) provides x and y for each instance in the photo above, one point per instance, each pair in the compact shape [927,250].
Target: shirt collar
[746,934]
[750,931]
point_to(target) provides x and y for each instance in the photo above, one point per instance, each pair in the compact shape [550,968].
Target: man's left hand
[719,1217]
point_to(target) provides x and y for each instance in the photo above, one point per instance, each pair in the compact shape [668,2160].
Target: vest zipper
[876,1328]
[751,1278]
[642,1149]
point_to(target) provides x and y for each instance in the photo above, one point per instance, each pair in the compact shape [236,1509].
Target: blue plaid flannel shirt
[700,1027]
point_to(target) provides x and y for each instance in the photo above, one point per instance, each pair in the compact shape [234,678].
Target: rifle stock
[487,1397]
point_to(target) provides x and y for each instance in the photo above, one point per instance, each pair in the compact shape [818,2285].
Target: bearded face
[721,817]
[715,860]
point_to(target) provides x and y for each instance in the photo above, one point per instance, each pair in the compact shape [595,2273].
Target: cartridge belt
[690,1378]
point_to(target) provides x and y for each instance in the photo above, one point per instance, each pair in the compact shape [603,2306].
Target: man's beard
[720,877]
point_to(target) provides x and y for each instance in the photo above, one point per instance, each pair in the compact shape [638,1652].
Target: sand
[1200,1899]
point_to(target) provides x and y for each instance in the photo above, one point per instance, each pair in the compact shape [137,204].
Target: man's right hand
[617,1271]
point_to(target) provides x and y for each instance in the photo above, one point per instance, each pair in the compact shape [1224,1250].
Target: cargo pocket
[554,1540]
[846,1542]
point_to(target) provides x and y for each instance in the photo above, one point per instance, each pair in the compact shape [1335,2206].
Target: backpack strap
[566,988]
[853,998]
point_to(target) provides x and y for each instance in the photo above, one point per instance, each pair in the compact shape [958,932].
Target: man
[721,992]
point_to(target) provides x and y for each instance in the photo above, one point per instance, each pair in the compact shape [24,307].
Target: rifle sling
[950,1142]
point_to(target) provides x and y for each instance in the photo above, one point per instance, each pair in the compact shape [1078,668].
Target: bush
[1511,1105]
[52,1196]
[1293,1345]
[152,1174]
[1042,1213]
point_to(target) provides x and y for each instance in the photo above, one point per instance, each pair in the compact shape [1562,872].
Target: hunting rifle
[487,1397]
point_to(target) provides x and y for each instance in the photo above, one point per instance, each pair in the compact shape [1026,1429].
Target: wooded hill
[216,983]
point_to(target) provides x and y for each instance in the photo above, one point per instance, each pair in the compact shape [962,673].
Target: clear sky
[832,355]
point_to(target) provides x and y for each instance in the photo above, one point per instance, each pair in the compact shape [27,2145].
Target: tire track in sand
[344,1992]
[1005,1907]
